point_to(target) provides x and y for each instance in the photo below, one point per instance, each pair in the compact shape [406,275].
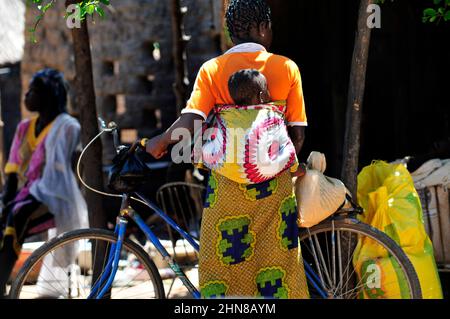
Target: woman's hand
[156,146]
[301,170]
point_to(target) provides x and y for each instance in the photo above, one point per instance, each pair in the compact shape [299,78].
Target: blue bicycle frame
[103,285]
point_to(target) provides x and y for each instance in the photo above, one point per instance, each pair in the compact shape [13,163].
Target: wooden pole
[223,36]
[180,40]
[355,100]
[92,169]
[85,101]
[2,125]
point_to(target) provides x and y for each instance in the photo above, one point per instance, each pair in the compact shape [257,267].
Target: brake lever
[102,123]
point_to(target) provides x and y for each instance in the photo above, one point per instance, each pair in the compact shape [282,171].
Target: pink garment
[33,172]
[19,138]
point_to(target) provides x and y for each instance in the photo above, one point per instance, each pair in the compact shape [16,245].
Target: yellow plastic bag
[391,204]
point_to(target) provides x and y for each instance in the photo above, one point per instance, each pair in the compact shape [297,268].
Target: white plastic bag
[318,196]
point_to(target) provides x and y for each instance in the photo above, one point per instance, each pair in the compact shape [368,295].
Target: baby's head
[248,87]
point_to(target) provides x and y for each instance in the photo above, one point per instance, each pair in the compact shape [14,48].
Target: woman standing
[249,244]
[41,191]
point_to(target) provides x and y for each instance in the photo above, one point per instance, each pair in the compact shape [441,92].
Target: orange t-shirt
[282,74]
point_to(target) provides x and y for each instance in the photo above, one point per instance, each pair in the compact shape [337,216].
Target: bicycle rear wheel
[330,251]
[63,268]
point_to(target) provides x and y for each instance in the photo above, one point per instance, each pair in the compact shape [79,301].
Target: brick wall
[133,79]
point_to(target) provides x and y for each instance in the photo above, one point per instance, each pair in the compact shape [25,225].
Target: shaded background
[406,105]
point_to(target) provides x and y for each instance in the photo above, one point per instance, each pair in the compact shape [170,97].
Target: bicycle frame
[104,283]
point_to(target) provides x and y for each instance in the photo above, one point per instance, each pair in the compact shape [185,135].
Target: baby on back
[248,87]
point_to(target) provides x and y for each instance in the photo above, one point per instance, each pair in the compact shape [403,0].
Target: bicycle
[328,267]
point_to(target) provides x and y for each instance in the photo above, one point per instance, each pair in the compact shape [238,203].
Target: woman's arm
[158,145]
[297,135]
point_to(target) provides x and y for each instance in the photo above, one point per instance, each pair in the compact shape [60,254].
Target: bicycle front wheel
[63,268]
[339,267]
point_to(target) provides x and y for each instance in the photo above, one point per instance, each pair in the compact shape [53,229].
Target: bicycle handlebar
[110,128]
[113,129]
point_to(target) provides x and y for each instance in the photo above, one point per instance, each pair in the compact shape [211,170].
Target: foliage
[85,8]
[440,11]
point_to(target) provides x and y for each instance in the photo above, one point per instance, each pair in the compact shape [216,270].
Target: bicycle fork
[113,257]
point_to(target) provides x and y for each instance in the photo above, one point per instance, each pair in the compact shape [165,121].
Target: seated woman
[41,191]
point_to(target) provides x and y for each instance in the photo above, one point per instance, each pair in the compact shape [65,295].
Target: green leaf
[105,2]
[100,11]
[33,37]
[432,19]
[82,10]
[436,1]
[90,9]
[47,6]
[429,12]
[447,16]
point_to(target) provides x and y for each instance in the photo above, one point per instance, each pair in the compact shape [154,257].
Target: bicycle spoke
[349,263]
[316,260]
[322,260]
[328,256]
[85,270]
[338,233]
[333,256]
[341,278]
[51,273]
[352,291]
[40,287]
[95,252]
[385,284]
[70,263]
[348,239]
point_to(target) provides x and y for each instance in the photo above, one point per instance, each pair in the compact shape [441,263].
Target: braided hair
[54,87]
[242,15]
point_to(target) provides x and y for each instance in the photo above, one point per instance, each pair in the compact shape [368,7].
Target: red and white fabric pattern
[248,144]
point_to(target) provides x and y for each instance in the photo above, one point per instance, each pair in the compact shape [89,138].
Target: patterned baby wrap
[248,144]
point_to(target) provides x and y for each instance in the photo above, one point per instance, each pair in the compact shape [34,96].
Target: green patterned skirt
[249,240]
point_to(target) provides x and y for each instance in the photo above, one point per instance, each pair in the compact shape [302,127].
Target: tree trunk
[1,152]
[180,40]
[224,43]
[355,100]
[85,100]
[10,113]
